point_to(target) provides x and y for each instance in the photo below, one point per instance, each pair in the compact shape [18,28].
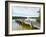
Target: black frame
[6,18]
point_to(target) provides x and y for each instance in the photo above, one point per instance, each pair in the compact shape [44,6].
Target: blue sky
[25,11]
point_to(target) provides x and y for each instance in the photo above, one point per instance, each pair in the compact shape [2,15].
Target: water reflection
[14,24]
[25,24]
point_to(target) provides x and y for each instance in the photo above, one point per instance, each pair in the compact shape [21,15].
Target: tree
[38,19]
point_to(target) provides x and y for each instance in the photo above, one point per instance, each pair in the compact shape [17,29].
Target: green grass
[24,28]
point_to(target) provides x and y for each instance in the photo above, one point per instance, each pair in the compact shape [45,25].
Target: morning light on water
[25,18]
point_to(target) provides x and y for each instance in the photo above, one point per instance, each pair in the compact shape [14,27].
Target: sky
[25,11]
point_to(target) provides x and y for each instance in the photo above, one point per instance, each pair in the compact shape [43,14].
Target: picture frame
[24,11]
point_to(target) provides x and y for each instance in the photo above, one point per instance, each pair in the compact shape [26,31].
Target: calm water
[14,24]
